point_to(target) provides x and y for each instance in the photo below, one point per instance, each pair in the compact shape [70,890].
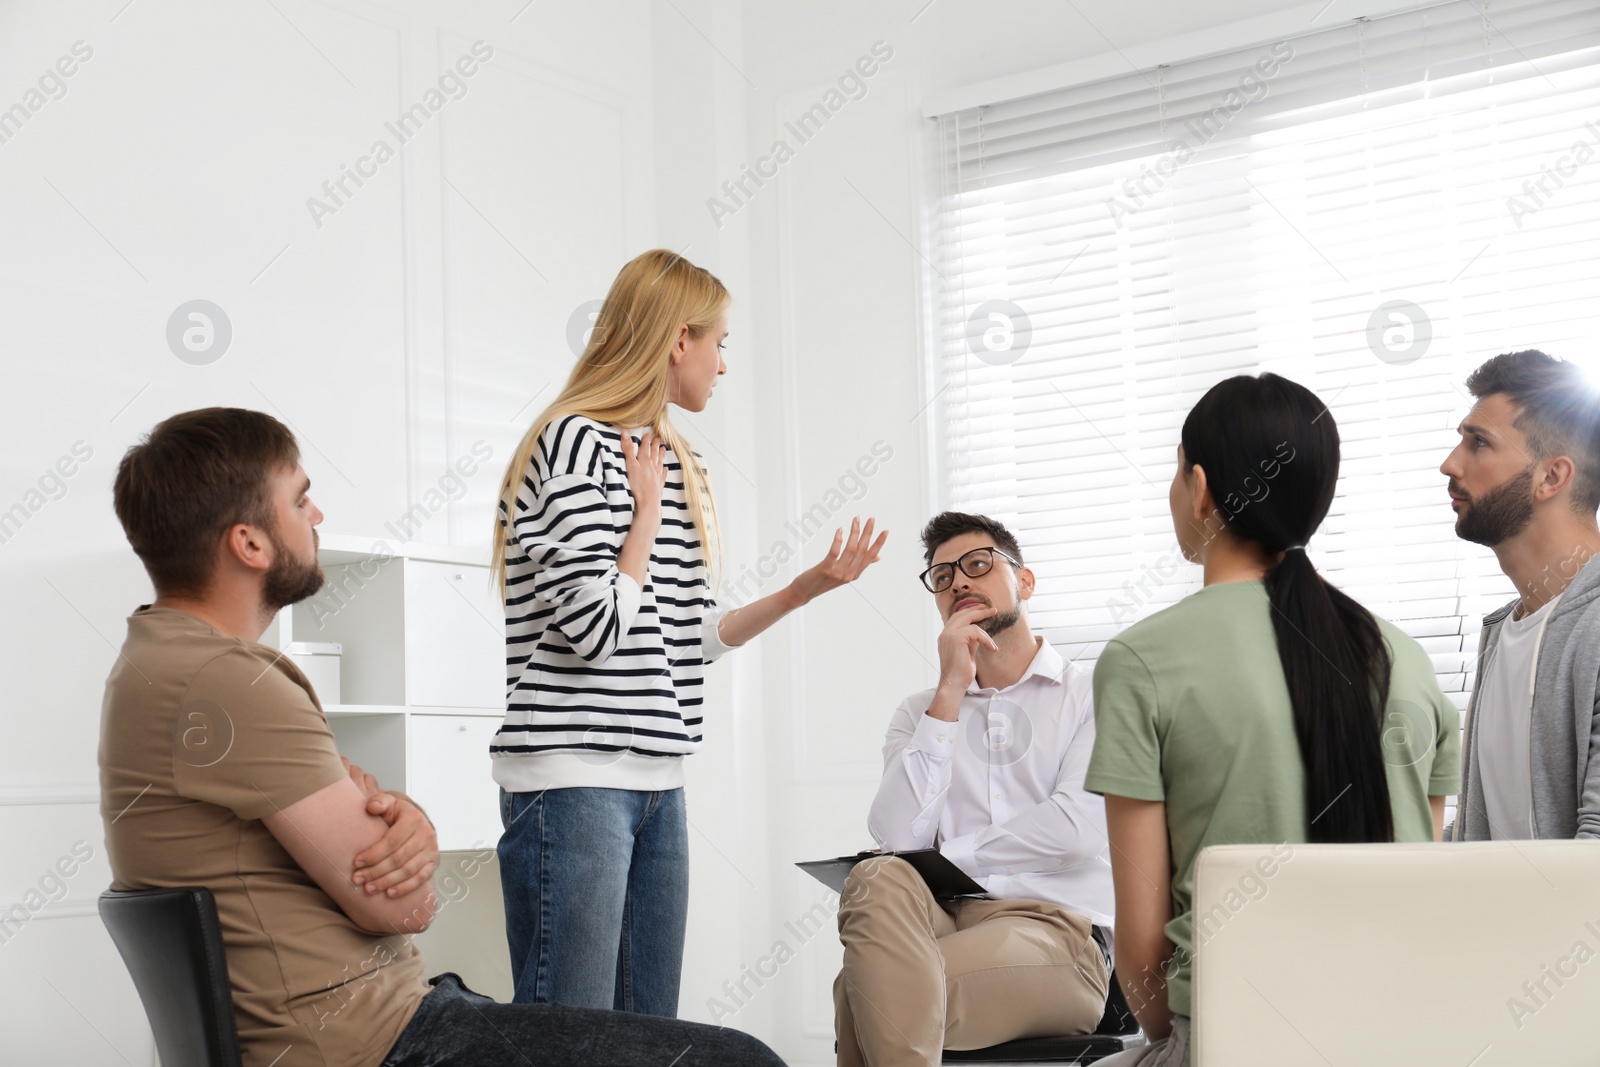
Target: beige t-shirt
[200,736]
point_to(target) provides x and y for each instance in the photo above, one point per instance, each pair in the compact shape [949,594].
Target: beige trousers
[920,977]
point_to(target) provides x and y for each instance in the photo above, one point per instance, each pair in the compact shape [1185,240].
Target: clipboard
[944,879]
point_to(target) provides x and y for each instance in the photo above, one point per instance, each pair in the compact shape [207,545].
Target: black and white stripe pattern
[580,679]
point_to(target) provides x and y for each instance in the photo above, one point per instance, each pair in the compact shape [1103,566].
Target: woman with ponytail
[1268,707]
[605,546]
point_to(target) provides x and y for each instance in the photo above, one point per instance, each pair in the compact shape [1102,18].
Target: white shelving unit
[422,673]
[422,691]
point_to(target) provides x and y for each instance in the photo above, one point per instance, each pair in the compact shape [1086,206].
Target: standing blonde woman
[604,540]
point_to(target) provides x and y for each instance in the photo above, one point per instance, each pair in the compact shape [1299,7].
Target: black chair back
[172,944]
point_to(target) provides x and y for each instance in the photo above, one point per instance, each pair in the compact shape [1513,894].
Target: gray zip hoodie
[1565,747]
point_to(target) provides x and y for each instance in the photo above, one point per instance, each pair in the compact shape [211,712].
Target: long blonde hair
[621,379]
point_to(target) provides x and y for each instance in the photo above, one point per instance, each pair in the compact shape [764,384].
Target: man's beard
[290,579]
[997,624]
[1501,513]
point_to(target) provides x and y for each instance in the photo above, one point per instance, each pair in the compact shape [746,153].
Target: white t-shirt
[1505,726]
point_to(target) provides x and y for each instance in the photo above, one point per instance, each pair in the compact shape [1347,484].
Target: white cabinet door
[449,776]
[455,637]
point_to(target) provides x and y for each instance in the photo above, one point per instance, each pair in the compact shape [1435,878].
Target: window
[1371,210]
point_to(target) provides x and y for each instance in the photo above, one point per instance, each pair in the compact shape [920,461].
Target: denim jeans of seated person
[455,1027]
[1171,1051]
[596,891]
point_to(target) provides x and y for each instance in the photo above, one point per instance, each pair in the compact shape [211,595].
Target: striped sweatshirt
[604,682]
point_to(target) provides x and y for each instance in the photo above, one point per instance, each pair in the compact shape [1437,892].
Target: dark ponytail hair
[1270,451]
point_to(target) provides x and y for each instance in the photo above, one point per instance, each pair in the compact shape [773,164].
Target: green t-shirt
[1191,708]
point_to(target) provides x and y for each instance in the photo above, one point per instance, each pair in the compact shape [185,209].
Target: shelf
[353,548]
[437,756]
[333,710]
[421,673]
[415,631]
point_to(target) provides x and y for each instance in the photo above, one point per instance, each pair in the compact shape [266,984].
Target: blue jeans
[596,888]
[455,1027]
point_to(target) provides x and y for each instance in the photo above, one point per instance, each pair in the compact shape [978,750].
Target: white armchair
[1456,955]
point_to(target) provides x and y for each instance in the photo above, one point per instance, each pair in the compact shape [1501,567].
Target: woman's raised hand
[646,465]
[844,562]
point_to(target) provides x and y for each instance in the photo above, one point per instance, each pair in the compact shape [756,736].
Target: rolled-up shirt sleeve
[918,755]
[712,645]
[565,526]
[628,597]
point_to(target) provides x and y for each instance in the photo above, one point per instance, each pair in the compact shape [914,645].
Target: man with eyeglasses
[988,768]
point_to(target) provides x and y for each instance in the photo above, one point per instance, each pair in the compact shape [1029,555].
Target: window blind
[1371,210]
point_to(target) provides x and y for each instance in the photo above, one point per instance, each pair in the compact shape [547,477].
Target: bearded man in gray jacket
[1525,481]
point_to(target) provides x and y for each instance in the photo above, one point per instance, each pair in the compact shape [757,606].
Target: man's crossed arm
[373,852]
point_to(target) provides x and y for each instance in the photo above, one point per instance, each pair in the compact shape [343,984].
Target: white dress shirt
[1000,791]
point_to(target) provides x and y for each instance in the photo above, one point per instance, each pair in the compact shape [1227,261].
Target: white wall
[420,317]
[430,311]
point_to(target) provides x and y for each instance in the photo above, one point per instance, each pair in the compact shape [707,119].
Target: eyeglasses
[974,564]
